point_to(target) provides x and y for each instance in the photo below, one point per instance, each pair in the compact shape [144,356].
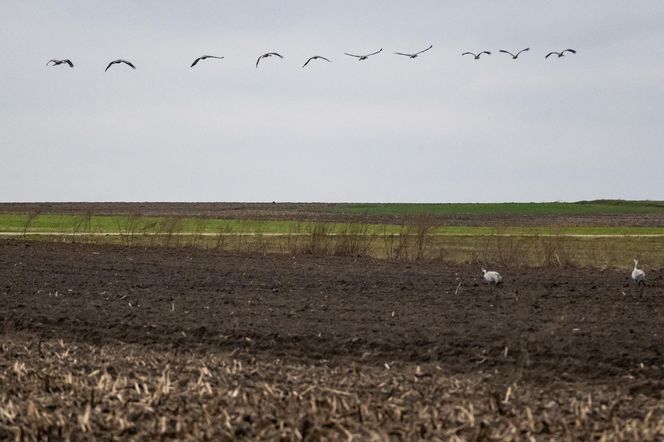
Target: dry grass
[65,390]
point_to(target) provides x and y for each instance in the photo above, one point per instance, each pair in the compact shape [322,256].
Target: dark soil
[543,324]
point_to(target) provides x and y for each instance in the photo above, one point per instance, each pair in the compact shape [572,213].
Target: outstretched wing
[569,50]
[424,50]
[274,53]
[401,53]
[196,61]
[374,53]
[128,64]
[307,62]
[259,60]
[323,58]
[522,50]
[52,61]
[506,52]
[352,55]
[468,53]
[484,52]
[551,53]
[109,65]
[68,61]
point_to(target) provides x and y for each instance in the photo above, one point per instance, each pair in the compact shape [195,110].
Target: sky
[438,128]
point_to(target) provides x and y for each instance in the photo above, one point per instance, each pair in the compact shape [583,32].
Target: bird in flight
[477,56]
[315,57]
[204,57]
[119,60]
[269,54]
[514,57]
[58,62]
[561,54]
[415,54]
[363,57]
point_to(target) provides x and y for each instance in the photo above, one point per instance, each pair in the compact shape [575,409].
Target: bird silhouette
[415,54]
[204,57]
[514,57]
[119,60]
[59,62]
[269,54]
[561,53]
[363,57]
[315,57]
[477,56]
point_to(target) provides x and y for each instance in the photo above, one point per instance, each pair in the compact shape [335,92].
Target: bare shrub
[128,228]
[353,240]
[30,218]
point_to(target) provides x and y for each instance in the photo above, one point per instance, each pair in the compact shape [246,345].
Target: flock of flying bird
[476,56]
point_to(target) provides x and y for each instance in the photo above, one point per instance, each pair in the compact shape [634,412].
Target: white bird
[59,62]
[119,60]
[415,54]
[269,54]
[316,57]
[638,275]
[491,277]
[477,56]
[560,54]
[363,57]
[204,57]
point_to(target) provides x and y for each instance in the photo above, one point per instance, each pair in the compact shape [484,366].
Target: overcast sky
[439,128]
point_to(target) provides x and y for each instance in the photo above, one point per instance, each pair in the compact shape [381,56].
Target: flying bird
[119,60]
[204,57]
[315,57]
[514,57]
[269,54]
[59,62]
[560,54]
[477,56]
[415,54]
[363,57]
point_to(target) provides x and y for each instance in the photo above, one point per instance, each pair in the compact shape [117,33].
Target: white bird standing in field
[491,277]
[638,275]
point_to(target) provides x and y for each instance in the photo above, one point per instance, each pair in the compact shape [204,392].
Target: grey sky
[440,128]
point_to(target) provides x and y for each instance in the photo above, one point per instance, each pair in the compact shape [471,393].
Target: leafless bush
[200,225]
[220,238]
[421,229]
[30,218]
[353,240]
[167,229]
[128,228]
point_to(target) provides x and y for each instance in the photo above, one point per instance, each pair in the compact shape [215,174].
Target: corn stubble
[65,390]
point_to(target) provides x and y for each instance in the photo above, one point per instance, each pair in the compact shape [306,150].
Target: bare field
[113,341]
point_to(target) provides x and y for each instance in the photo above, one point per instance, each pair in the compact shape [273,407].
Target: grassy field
[116,224]
[596,207]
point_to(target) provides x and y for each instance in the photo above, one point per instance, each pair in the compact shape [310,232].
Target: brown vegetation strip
[64,390]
